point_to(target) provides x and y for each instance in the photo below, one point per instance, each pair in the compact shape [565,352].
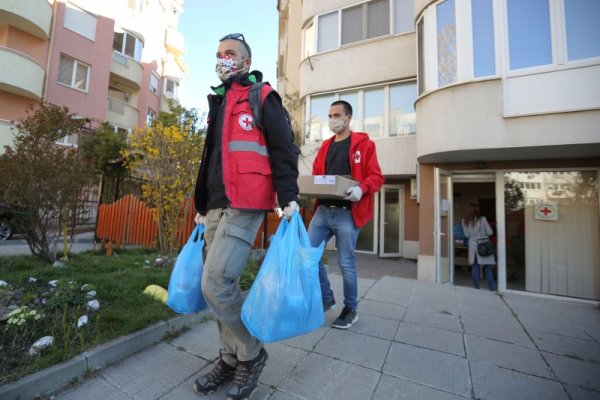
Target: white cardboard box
[325,186]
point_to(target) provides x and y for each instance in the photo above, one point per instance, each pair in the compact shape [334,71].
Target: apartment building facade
[492,102]
[115,61]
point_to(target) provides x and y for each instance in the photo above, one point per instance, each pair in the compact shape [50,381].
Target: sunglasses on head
[239,37]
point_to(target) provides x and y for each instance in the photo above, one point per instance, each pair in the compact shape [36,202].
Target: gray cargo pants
[229,235]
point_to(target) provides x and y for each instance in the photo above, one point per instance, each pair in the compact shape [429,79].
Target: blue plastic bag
[285,298]
[185,294]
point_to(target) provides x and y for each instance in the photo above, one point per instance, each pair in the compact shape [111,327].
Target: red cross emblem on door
[246,121]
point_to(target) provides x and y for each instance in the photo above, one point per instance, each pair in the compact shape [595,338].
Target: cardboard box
[325,186]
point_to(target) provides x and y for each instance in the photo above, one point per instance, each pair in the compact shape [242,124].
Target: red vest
[246,164]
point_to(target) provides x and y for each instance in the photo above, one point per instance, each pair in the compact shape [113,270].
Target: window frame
[359,109]
[76,63]
[154,89]
[138,46]
[171,94]
[427,37]
[314,24]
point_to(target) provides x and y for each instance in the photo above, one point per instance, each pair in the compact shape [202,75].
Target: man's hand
[288,210]
[354,193]
[199,219]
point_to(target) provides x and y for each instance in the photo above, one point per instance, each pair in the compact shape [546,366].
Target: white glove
[354,193]
[199,219]
[288,210]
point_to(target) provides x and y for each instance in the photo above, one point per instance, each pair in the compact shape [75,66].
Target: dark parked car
[8,214]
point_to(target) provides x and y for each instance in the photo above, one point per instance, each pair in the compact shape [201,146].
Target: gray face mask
[337,125]
[227,67]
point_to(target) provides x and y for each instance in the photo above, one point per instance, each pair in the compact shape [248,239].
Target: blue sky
[204,22]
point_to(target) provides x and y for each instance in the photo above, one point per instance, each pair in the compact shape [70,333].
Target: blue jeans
[489,276]
[326,222]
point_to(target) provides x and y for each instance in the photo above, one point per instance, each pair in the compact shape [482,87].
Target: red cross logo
[246,122]
[546,211]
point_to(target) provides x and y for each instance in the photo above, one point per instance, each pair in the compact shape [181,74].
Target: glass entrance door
[444,256]
[392,221]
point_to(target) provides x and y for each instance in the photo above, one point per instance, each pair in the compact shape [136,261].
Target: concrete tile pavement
[414,340]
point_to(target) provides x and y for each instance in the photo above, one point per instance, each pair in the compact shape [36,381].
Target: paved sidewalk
[414,340]
[17,246]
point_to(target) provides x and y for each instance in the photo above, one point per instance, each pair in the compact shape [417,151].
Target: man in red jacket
[345,153]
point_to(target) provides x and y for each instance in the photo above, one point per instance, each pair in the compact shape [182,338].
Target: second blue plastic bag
[185,292]
[285,298]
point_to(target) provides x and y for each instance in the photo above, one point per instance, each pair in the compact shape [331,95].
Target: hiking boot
[246,376]
[346,319]
[221,373]
[328,305]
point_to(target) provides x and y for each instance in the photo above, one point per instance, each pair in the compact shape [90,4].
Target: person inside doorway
[475,228]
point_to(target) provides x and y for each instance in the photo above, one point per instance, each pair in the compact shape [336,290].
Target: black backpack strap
[256,104]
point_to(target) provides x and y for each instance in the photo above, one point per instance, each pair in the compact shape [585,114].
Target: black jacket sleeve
[283,152]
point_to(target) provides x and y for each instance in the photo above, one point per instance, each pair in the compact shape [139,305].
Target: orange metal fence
[130,221]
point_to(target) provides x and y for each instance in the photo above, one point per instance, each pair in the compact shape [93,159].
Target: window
[403,118]
[80,21]
[318,121]
[378,18]
[403,16]
[73,73]
[309,41]
[360,22]
[529,33]
[171,88]
[373,121]
[484,59]
[328,32]
[583,28]
[69,140]
[370,108]
[352,98]
[154,80]
[128,44]
[150,117]
[356,27]
[352,24]
[446,42]
[421,56]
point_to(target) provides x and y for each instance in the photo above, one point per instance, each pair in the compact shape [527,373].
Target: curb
[54,378]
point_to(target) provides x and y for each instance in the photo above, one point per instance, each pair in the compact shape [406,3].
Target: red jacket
[364,168]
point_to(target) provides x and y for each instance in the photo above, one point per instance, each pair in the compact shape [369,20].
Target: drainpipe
[50,46]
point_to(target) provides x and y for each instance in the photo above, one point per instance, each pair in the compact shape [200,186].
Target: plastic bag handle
[196,233]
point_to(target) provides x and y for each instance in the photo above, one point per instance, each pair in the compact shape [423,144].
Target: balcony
[127,70]
[121,114]
[20,74]
[32,16]
[474,127]
[174,42]
[164,103]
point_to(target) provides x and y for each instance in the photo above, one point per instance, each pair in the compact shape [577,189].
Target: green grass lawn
[119,282]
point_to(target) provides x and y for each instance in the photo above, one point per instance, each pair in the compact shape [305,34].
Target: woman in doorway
[477,227]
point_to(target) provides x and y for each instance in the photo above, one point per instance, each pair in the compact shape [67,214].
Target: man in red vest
[345,153]
[244,171]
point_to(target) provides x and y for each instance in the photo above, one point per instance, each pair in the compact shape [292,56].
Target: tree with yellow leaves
[166,156]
